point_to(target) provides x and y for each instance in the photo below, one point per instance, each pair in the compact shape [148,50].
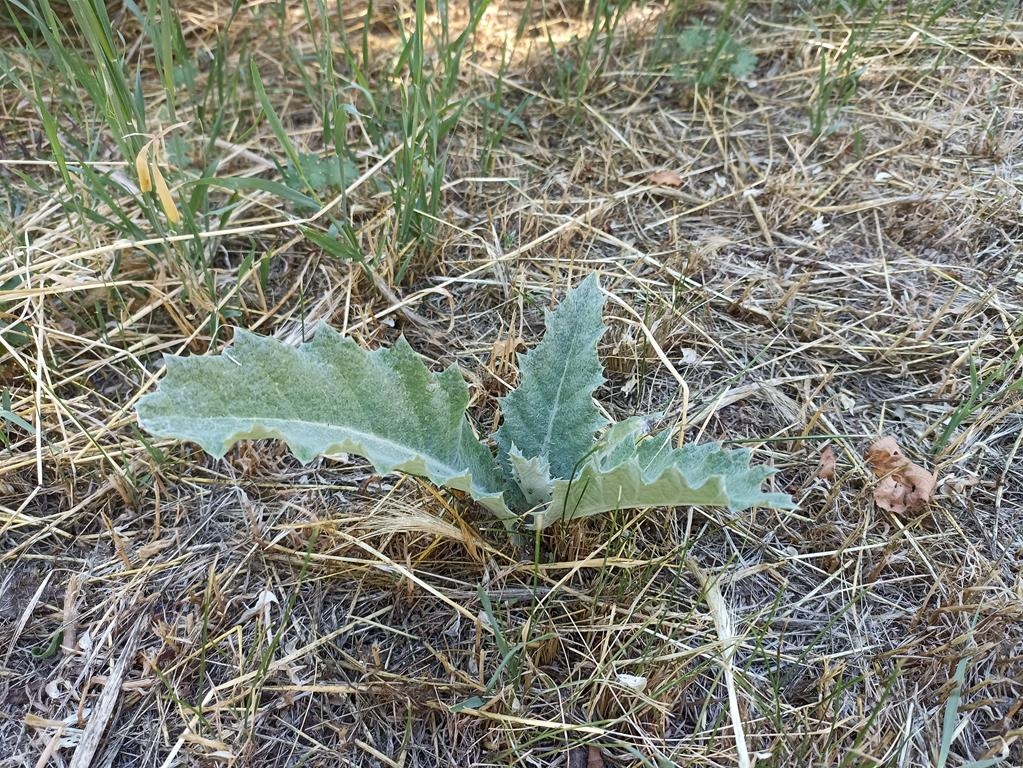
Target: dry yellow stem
[166,200]
[142,169]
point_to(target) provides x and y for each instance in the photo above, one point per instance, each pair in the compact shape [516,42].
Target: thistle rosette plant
[557,458]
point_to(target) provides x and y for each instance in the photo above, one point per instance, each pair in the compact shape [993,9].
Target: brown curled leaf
[826,464]
[665,178]
[904,486]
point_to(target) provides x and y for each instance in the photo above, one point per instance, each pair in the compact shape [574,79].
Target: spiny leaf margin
[551,415]
[329,396]
[629,470]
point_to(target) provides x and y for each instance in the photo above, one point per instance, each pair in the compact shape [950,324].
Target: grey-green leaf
[551,414]
[329,396]
[532,476]
[629,470]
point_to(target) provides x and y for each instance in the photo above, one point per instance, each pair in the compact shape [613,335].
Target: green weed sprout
[556,457]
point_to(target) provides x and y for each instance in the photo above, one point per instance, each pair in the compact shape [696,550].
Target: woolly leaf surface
[532,476]
[629,470]
[551,414]
[328,396]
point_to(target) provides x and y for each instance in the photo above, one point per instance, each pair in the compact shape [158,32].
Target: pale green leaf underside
[551,414]
[329,396]
[532,476]
[628,471]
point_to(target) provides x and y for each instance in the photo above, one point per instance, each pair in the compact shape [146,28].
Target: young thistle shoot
[557,458]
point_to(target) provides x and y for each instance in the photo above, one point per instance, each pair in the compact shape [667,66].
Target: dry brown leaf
[826,464]
[152,548]
[885,456]
[904,486]
[594,759]
[666,178]
[505,348]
